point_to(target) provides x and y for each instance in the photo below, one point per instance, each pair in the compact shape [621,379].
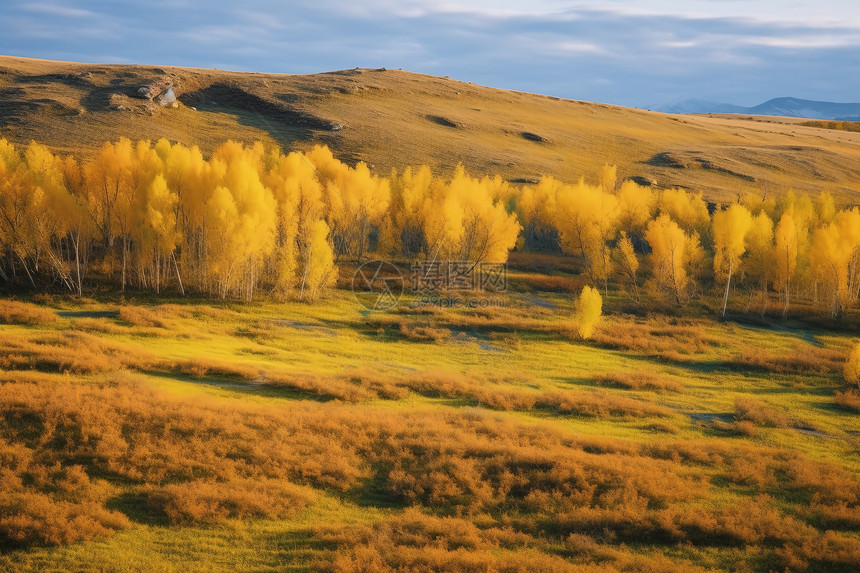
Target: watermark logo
[434,276]
[377,285]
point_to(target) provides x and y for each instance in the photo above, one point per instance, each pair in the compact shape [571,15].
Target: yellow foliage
[835,252]
[729,230]
[587,219]
[689,211]
[355,198]
[161,215]
[628,260]
[588,310]
[825,207]
[628,254]
[318,268]
[672,252]
[403,227]
[636,204]
[760,263]
[851,370]
[536,211]
[608,177]
[785,238]
[463,222]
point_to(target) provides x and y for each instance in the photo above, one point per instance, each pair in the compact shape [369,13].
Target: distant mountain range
[782,106]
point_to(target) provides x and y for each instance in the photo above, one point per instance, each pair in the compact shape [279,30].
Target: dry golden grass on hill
[392,118]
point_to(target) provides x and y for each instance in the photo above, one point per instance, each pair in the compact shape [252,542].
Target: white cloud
[574,47]
[803,42]
[57,10]
[656,49]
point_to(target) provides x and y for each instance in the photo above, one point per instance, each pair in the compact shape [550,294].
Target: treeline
[795,247]
[250,218]
[831,124]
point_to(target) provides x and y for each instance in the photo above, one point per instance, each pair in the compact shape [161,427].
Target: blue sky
[643,53]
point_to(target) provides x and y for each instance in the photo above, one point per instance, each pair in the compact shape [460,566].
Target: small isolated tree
[851,370]
[588,309]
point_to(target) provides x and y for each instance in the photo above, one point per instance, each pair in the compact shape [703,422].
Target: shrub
[73,352]
[670,339]
[851,370]
[588,309]
[13,312]
[413,541]
[202,367]
[601,405]
[31,518]
[760,413]
[211,501]
[805,359]
[639,380]
[141,316]
[849,400]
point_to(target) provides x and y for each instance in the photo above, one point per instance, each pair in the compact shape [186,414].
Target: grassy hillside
[391,119]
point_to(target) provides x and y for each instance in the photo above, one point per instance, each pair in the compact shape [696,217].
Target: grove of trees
[797,248]
[155,216]
[250,219]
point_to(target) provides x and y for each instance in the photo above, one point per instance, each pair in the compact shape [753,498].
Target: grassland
[393,118]
[188,435]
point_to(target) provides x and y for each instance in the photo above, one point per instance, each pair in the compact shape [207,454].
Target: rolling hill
[781,106]
[393,118]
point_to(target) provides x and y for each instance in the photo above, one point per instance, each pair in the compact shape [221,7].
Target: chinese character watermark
[379,285]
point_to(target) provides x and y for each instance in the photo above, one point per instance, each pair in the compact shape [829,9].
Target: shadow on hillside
[88,313]
[298,548]
[99,98]
[136,507]
[283,123]
[260,389]
[66,79]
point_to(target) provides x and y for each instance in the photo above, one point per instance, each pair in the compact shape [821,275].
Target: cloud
[803,42]
[617,51]
[574,47]
[57,10]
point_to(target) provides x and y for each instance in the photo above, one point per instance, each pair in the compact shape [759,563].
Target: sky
[644,53]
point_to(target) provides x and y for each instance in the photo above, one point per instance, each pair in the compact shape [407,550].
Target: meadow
[186,434]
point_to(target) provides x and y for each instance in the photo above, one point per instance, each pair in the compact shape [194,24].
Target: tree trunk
[124,249]
[726,295]
[27,270]
[77,244]
[837,305]
[178,277]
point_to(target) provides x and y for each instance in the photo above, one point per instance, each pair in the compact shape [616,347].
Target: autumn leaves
[161,215]
[668,241]
[249,218]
